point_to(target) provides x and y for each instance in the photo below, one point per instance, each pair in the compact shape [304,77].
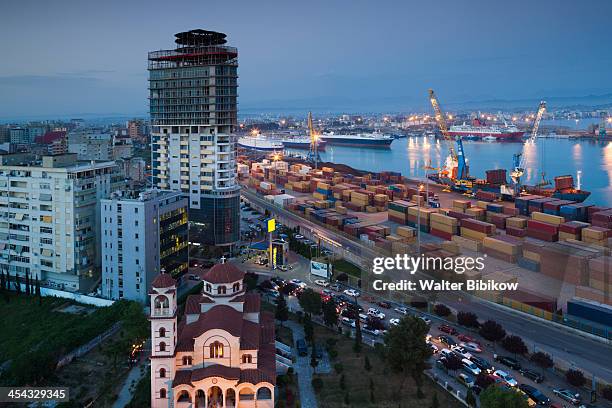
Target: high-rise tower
[192,92]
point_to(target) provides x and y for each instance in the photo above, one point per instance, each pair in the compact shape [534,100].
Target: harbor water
[556,156]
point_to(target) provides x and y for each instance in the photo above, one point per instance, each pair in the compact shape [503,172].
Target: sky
[79,57]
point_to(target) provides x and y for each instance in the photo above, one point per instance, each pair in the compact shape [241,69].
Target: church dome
[223,273]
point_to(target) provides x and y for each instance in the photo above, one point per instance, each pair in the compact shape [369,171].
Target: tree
[406,351]
[317,384]
[37,288]
[282,312]
[308,329]
[330,314]
[310,301]
[358,337]
[313,360]
[492,331]
[434,401]
[497,397]
[27,283]
[575,378]
[250,280]
[542,360]
[366,364]
[470,399]
[342,382]
[442,310]
[17,284]
[468,319]
[515,345]
[483,380]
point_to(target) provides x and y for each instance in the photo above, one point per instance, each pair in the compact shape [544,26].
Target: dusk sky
[70,57]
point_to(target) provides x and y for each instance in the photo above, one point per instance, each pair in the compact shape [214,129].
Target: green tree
[358,336]
[492,331]
[17,284]
[515,345]
[366,365]
[27,283]
[542,360]
[468,319]
[434,401]
[310,302]
[282,311]
[406,351]
[308,328]
[342,382]
[470,399]
[330,314]
[442,310]
[575,378]
[496,397]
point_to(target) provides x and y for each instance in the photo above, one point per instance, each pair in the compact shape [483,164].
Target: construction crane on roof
[519,160]
[456,166]
[313,152]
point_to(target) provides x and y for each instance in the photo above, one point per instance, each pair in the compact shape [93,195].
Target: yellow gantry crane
[519,158]
[313,153]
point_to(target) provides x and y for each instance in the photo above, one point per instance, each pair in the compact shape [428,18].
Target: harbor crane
[518,159]
[456,167]
[313,152]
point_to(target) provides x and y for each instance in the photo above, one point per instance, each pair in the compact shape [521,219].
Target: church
[221,354]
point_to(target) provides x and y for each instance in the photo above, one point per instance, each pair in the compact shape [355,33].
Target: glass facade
[174,242]
[217,222]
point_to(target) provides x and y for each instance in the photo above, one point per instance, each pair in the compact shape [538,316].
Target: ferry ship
[371,140]
[302,143]
[260,143]
[479,131]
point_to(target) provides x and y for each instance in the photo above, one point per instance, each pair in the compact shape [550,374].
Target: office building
[50,217]
[193,109]
[143,233]
[91,144]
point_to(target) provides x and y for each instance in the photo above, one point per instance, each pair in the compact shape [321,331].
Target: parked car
[351,292]
[466,339]
[465,379]
[533,375]
[383,304]
[348,322]
[321,282]
[473,347]
[434,348]
[194,277]
[535,394]
[394,322]
[448,329]
[483,364]
[278,280]
[401,310]
[470,367]
[376,313]
[335,286]
[301,347]
[448,340]
[508,362]
[298,283]
[425,319]
[568,395]
[446,353]
[507,378]
[373,332]
[461,352]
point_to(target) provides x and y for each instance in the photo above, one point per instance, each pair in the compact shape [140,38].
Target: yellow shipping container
[481,204]
[451,247]
[463,204]
[405,231]
[443,219]
[451,229]
[548,218]
[418,199]
[468,233]
[319,196]
[397,214]
[371,209]
[564,236]
[593,234]
[466,243]
[516,222]
[532,256]
[478,213]
[501,246]
[341,210]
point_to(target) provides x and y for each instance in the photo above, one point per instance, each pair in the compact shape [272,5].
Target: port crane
[313,152]
[519,158]
[456,168]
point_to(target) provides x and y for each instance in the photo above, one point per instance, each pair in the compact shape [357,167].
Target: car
[446,353]
[507,378]
[473,347]
[508,362]
[351,292]
[461,352]
[272,292]
[321,282]
[373,332]
[568,395]
[328,293]
[465,379]
[298,236]
[448,329]
[466,339]
[383,304]
[425,319]
[302,348]
[483,364]
[335,286]
[298,283]
[470,367]
[348,322]
[448,340]
[535,394]
[440,363]
[363,317]
[376,313]
[283,268]
[194,277]
[394,322]
[401,310]
[434,348]
[532,375]
[278,280]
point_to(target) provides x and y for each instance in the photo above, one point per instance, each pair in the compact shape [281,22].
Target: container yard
[558,250]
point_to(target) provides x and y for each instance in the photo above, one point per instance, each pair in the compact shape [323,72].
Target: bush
[442,310]
[468,319]
[575,378]
[317,384]
[492,331]
[338,367]
[515,345]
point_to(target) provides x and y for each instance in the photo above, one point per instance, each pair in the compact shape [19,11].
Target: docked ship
[371,140]
[260,143]
[301,143]
[479,131]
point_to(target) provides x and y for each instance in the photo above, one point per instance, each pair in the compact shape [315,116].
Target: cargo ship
[301,143]
[479,131]
[260,143]
[371,140]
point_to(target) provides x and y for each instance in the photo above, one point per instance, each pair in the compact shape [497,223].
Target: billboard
[320,269]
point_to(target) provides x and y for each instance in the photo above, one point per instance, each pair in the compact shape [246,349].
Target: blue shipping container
[600,314]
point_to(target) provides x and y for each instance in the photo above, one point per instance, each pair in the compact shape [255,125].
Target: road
[589,355]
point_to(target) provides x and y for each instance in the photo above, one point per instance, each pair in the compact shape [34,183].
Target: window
[236,287]
[162,373]
[187,360]
[162,346]
[162,393]
[162,332]
[221,290]
[208,288]
[161,302]
[216,350]
[136,210]
[247,359]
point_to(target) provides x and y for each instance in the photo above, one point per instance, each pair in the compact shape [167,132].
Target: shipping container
[591,311]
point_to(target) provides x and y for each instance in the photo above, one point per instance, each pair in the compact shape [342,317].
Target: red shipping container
[542,235]
[511,211]
[459,216]
[542,226]
[479,226]
[486,195]
[441,234]
[516,232]
[556,205]
[397,219]
[572,227]
[602,219]
[499,220]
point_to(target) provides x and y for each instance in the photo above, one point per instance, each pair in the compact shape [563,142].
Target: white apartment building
[142,233]
[50,217]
